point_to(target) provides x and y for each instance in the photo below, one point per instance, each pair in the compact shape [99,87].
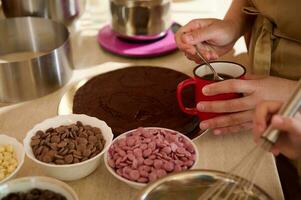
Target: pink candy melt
[148,154]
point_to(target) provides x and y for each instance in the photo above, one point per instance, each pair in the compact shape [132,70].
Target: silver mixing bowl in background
[65,11]
[192,184]
[35,58]
[140,19]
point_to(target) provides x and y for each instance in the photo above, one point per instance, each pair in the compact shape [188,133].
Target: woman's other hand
[214,38]
[289,141]
[240,111]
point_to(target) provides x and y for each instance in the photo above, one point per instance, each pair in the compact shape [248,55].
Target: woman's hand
[240,110]
[289,142]
[214,38]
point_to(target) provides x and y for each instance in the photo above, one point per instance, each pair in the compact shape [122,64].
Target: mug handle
[181,86]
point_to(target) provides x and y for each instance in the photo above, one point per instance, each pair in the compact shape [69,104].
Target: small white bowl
[75,171]
[19,150]
[27,183]
[141,185]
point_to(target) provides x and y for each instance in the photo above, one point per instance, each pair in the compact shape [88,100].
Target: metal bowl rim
[149,188]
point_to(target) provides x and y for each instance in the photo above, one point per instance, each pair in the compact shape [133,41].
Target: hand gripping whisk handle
[289,109]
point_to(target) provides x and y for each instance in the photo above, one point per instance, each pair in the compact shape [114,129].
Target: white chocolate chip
[8,161]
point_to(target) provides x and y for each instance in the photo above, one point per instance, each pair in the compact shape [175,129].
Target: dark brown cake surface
[136,96]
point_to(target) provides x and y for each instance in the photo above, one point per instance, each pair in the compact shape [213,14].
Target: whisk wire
[244,173]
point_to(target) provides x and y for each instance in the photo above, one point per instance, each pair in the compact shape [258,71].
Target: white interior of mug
[229,68]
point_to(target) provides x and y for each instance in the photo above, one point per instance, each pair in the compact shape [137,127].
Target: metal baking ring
[33,77]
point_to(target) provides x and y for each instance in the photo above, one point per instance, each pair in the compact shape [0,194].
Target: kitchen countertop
[216,152]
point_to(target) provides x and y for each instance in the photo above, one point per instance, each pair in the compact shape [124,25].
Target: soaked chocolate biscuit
[137,97]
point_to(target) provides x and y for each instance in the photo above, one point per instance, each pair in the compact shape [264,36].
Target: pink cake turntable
[110,41]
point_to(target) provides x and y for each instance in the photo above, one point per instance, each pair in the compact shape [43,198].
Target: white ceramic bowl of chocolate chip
[144,155]
[37,187]
[68,147]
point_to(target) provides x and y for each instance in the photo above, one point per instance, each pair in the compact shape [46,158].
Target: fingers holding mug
[233,129]
[203,77]
[225,123]
[228,106]
[214,115]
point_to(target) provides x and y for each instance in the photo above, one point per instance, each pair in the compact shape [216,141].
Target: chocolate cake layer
[136,96]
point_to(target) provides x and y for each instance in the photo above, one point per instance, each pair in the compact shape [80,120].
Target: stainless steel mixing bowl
[35,58]
[192,184]
[140,19]
[65,11]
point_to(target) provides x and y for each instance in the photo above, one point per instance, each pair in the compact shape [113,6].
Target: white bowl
[75,171]
[141,185]
[19,150]
[27,183]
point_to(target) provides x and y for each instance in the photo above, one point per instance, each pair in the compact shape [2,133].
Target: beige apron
[275,45]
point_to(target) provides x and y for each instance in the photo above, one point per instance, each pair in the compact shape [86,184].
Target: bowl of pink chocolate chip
[144,155]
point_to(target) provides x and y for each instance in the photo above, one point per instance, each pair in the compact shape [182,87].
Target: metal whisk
[245,171]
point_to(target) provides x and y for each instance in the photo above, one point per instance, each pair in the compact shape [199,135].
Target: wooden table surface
[216,152]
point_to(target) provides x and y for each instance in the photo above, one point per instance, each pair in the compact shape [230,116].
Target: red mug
[234,70]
